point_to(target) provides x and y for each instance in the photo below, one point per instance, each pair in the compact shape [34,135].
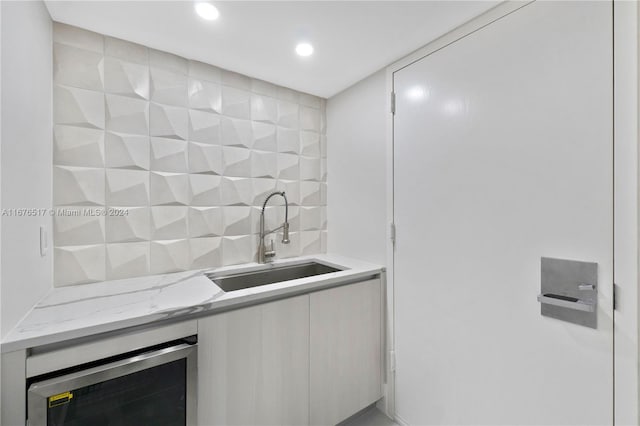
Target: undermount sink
[276,274]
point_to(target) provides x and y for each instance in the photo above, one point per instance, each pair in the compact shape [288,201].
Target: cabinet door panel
[254,365]
[345,351]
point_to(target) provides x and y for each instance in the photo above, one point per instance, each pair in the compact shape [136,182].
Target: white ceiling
[352,39]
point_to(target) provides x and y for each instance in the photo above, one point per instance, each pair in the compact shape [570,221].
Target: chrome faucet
[263,253]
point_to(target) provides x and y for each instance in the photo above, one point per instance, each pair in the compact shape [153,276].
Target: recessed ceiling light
[206,10]
[304,49]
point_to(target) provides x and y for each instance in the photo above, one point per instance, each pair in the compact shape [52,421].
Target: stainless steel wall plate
[569,291]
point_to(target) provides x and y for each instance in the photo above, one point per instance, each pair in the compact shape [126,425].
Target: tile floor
[370,417]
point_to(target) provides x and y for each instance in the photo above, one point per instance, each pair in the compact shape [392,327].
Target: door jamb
[626,18]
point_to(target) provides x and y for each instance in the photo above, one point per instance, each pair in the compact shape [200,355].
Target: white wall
[356,170]
[25,154]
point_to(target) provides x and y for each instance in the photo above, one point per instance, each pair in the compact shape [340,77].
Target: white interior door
[503,155]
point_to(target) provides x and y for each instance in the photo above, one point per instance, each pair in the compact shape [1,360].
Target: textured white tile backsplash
[161,164]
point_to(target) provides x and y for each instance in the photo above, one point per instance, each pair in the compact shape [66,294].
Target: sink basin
[231,282]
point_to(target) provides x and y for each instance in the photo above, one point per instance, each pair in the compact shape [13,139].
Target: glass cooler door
[151,389]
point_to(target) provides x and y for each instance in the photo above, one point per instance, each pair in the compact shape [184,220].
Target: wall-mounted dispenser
[569,291]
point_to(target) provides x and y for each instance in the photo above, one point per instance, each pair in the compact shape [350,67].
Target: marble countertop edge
[74,312]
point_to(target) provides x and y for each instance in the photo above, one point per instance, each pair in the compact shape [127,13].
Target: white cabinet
[345,351]
[254,365]
[315,358]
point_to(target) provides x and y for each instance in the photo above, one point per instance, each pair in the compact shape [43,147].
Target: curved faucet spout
[263,253]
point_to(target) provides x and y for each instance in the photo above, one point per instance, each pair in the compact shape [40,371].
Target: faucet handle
[271,252]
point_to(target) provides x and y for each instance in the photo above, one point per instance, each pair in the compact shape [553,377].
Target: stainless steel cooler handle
[578,305]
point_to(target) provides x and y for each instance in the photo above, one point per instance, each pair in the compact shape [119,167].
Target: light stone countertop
[84,310]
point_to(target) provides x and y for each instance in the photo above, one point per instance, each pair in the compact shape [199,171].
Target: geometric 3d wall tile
[168,222]
[186,151]
[130,52]
[169,155]
[205,222]
[264,109]
[288,140]
[287,94]
[204,71]
[126,260]
[77,67]
[294,218]
[236,103]
[205,190]
[272,215]
[236,191]
[292,189]
[323,219]
[323,146]
[238,249]
[233,79]
[309,100]
[204,127]
[169,188]
[309,119]
[323,118]
[310,144]
[288,166]
[323,241]
[81,186]
[310,193]
[262,187]
[238,133]
[264,137]
[78,107]
[310,168]
[127,151]
[78,146]
[237,220]
[206,252]
[310,218]
[323,169]
[126,78]
[205,96]
[169,122]
[168,87]
[205,158]
[168,61]
[310,242]
[127,187]
[264,164]
[275,215]
[323,193]
[77,37]
[76,230]
[169,256]
[288,114]
[127,115]
[79,264]
[289,250]
[134,226]
[263,88]
[237,161]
